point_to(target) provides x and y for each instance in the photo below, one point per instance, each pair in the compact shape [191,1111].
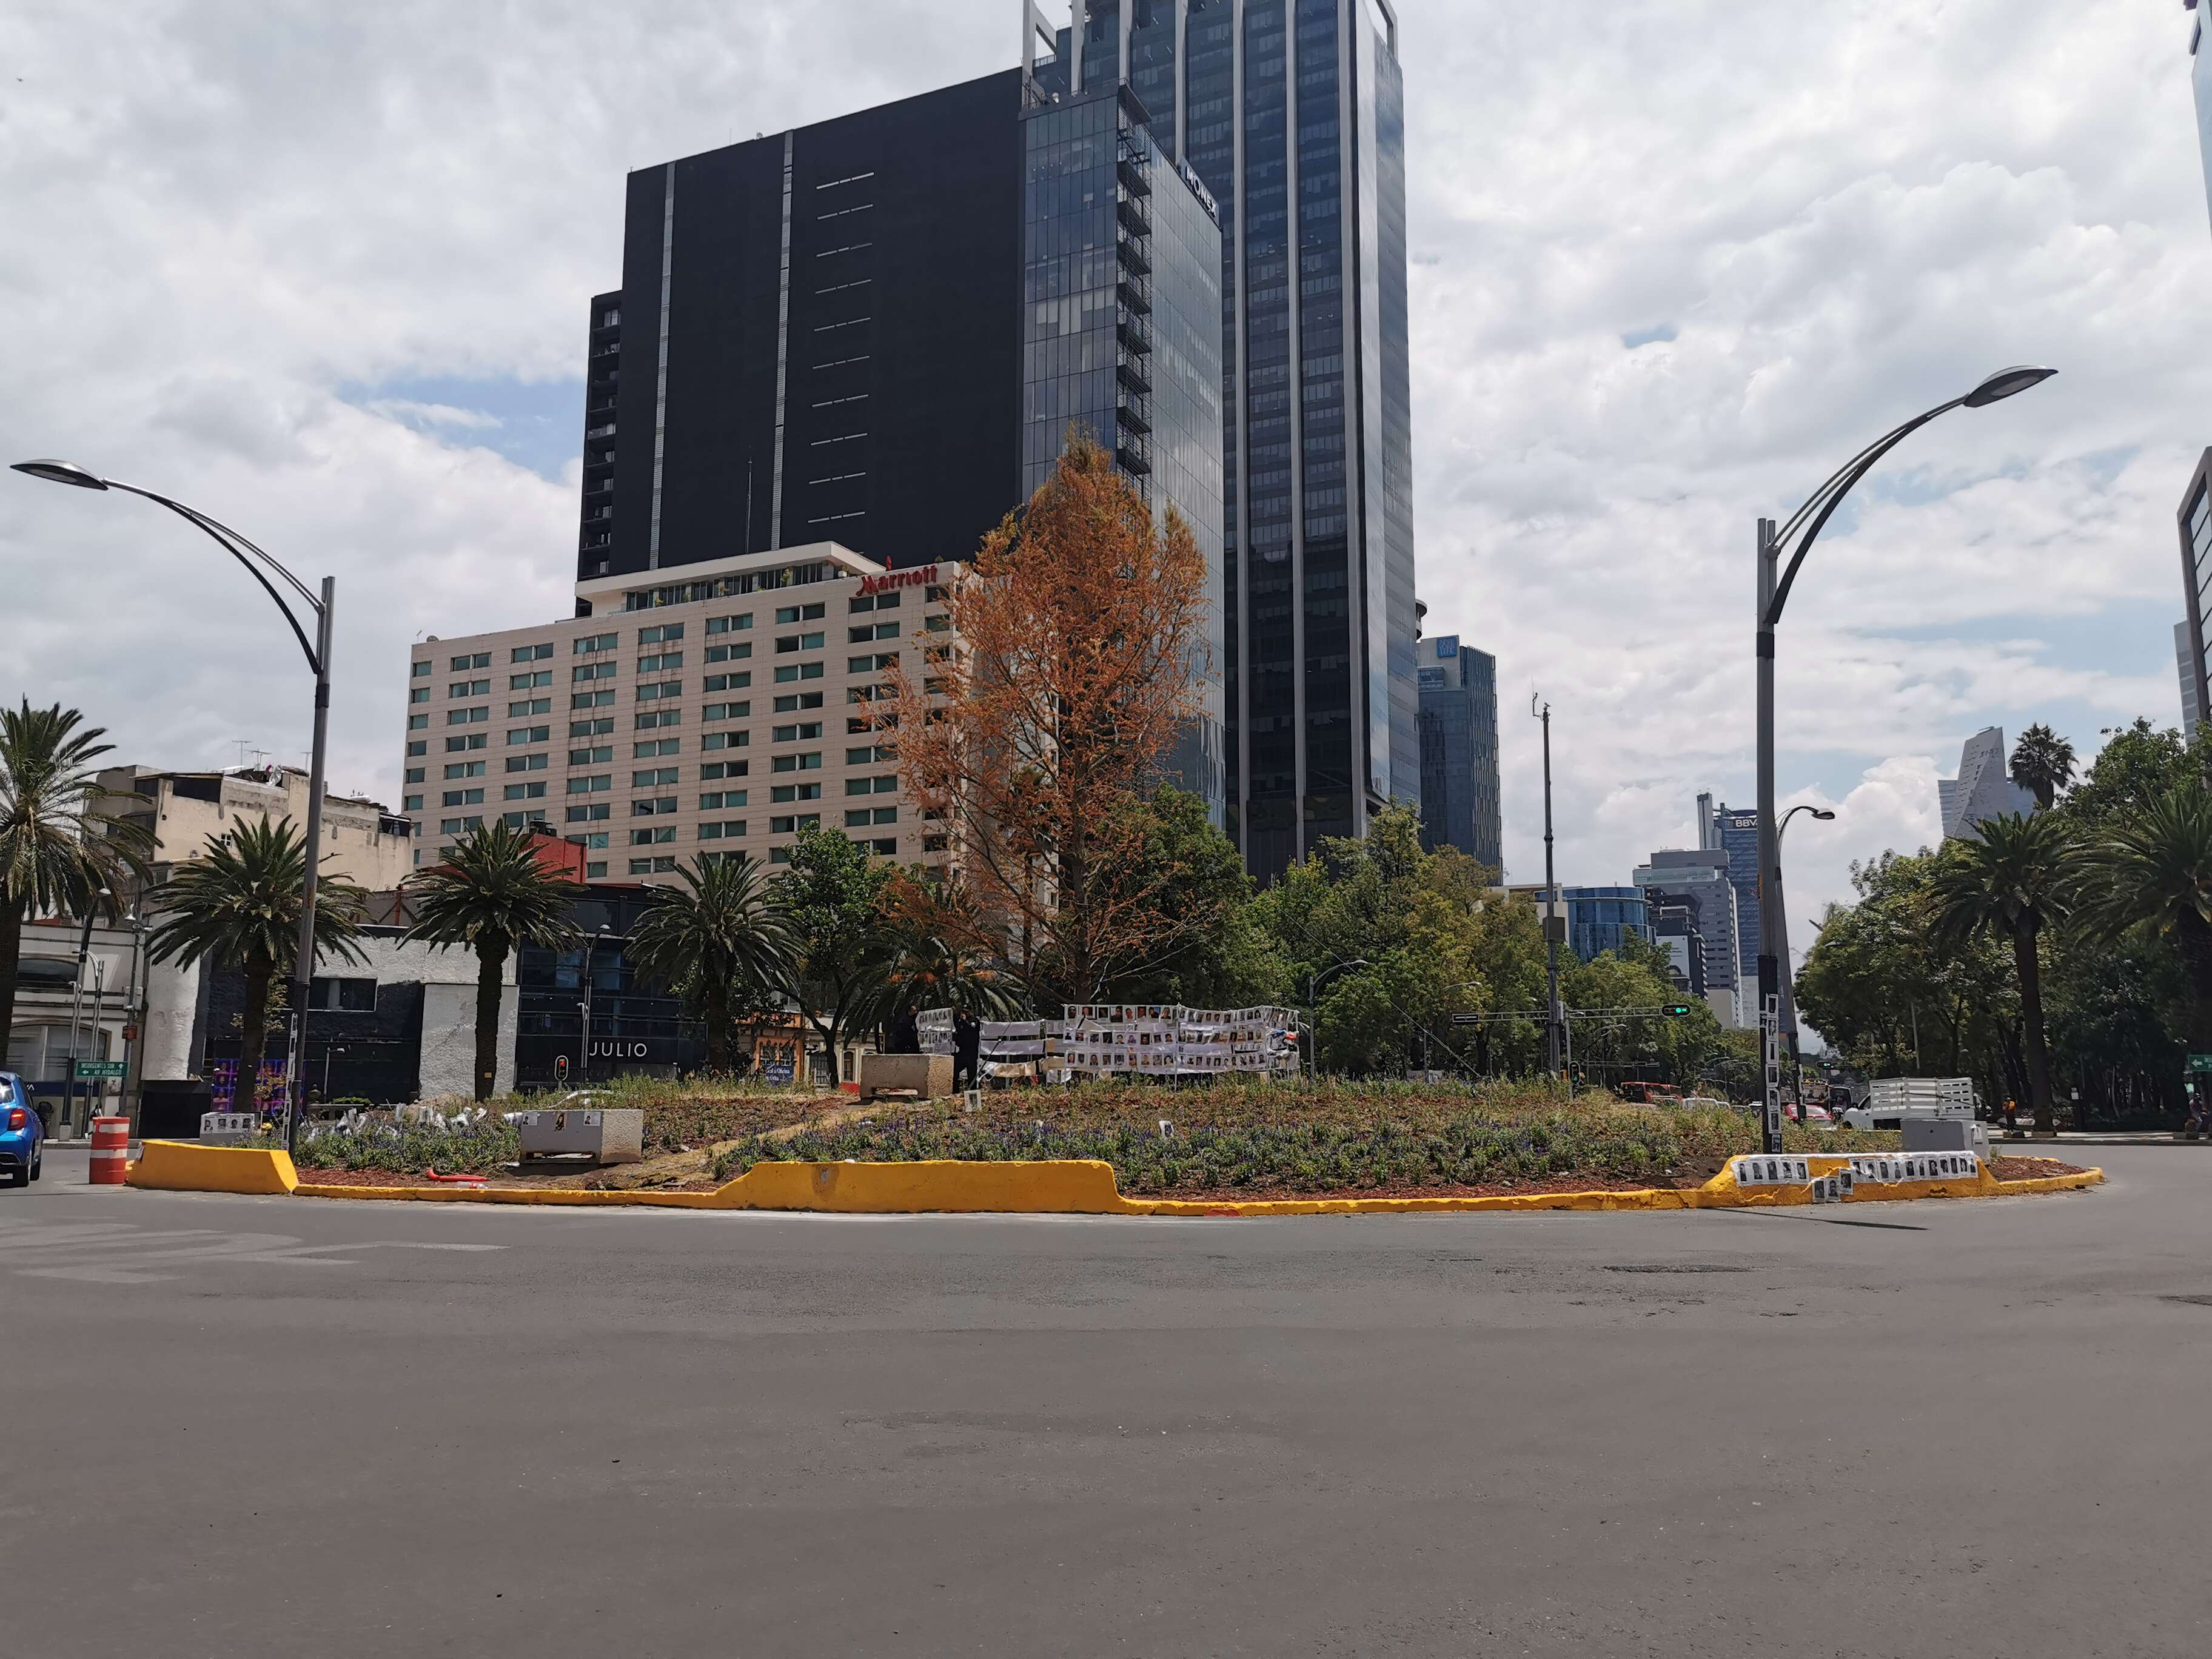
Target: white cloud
[227,219]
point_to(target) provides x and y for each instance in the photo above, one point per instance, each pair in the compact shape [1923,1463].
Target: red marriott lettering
[926,576]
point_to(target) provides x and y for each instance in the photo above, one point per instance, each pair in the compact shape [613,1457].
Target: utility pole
[1554,924]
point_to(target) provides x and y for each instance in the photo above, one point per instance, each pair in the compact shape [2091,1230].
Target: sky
[323,272]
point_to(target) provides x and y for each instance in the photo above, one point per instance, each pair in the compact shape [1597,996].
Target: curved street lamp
[1795,538]
[259,566]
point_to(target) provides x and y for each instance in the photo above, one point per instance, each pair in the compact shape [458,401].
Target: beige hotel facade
[716,708]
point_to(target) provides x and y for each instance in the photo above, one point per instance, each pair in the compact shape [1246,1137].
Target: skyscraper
[1700,879]
[1291,114]
[877,331]
[1736,834]
[1459,748]
[2193,638]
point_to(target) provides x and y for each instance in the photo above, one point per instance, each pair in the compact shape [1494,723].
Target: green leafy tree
[2010,882]
[58,847]
[1655,1048]
[2043,761]
[494,896]
[833,895]
[1433,938]
[1209,952]
[237,904]
[716,940]
[2138,766]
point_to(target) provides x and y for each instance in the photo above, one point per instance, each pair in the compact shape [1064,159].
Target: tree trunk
[2025,958]
[11,955]
[718,1025]
[252,1036]
[491,965]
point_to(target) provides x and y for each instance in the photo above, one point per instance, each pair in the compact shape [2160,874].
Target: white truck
[1891,1100]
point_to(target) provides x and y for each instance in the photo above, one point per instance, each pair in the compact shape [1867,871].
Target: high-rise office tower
[1291,114]
[877,331]
[1459,748]
[1736,834]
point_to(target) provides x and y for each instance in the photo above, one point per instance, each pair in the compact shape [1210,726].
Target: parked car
[23,1136]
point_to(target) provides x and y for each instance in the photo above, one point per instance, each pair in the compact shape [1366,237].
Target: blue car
[21,1134]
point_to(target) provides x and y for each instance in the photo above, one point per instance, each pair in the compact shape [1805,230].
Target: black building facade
[815,340]
[1459,750]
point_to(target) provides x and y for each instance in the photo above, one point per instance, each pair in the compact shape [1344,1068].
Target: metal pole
[96,1096]
[1552,921]
[1770,855]
[134,1017]
[76,1007]
[303,966]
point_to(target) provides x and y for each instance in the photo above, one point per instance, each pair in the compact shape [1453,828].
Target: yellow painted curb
[183,1166]
[1070,1187]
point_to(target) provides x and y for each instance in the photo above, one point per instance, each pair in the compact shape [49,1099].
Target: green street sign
[2200,1062]
[88,1070]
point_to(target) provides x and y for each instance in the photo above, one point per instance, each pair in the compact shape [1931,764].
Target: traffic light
[1676,1009]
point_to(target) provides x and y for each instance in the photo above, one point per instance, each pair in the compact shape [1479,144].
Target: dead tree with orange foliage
[1075,666]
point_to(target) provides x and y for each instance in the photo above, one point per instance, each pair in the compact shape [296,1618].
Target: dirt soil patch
[2005,1168]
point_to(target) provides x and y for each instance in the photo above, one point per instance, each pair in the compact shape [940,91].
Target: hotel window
[660,662]
[810,761]
[523,734]
[531,653]
[801,732]
[736,652]
[596,812]
[469,689]
[889,631]
[793,701]
[793,613]
[524,709]
[477,716]
[784,792]
[598,785]
[599,728]
[728,624]
[726,740]
[798,671]
[525,791]
[652,777]
[420,694]
[651,719]
[596,643]
[652,837]
[653,747]
[660,634]
[474,740]
[599,755]
[463,664]
[792,826]
[715,771]
[421,670]
[652,866]
[722,800]
[861,815]
[737,682]
[594,671]
[464,769]
[527,762]
[730,829]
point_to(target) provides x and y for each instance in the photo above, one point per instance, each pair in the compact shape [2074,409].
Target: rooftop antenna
[240,742]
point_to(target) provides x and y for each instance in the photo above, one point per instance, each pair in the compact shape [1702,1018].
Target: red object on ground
[111,1151]
[461,1180]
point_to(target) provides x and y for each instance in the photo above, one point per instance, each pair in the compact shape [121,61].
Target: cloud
[324,272]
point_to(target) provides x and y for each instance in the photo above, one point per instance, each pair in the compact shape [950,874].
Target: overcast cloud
[322,271]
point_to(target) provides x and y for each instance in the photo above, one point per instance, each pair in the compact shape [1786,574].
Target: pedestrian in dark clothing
[966,1051]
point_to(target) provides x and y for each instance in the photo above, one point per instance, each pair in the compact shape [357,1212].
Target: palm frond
[492,892]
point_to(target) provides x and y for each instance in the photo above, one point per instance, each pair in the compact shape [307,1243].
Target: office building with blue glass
[1290,111]
[1458,728]
[1601,919]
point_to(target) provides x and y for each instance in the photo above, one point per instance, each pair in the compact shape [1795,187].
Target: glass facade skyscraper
[1122,336]
[1291,114]
[1459,750]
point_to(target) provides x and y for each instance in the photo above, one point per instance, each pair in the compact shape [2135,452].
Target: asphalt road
[240,1427]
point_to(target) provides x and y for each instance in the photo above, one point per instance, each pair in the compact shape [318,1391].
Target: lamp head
[2004,383]
[66,472]
[1824,815]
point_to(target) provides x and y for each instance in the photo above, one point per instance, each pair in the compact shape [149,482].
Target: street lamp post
[1790,1045]
[1554,923]
[1774,581]
[259,566]
[1313,983]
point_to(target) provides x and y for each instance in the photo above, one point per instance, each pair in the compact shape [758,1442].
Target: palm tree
[941,956]
[2043,761]
[57,847]
[718,934]
[2155,871]
[237,904]
[494,896]
[2020,875]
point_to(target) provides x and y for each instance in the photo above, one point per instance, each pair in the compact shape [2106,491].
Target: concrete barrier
[182,1166]
[1069,1186]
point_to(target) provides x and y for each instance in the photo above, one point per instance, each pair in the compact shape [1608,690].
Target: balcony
[1133,409]
[1134,334]
[1129,166]
[1135,294]
[1136,218]
[1134,255]
[1134,453]
[607,430]
[1133,371]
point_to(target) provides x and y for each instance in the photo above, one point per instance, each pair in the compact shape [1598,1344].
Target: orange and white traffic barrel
[111,1151]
